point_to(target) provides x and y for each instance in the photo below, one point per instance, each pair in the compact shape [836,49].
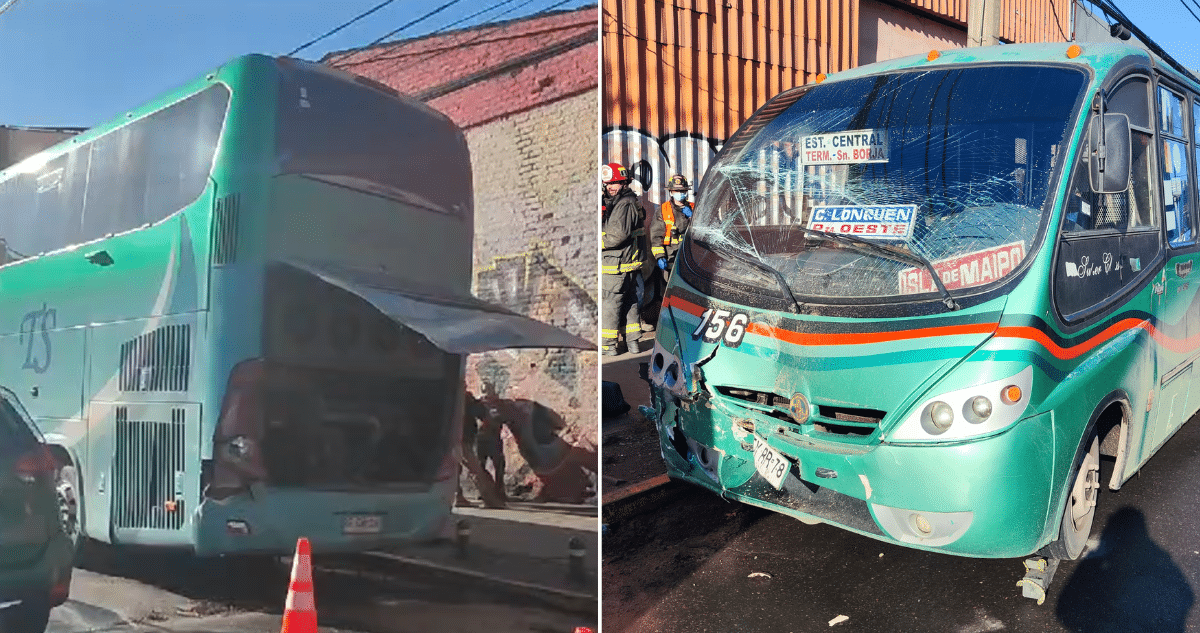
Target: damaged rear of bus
[870,324]
[345,321]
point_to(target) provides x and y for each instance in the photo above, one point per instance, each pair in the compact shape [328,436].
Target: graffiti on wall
[544,397]
[531,283]
[683,153]
[534,285]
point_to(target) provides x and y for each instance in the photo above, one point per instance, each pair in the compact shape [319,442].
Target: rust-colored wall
[1021,21]
[705,66]
[679,76]
[887,31]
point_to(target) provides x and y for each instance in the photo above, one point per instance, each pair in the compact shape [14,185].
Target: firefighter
[669,224]
[623,235]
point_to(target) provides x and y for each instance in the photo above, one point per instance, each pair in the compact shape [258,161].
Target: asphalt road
[699,564]
[126,591]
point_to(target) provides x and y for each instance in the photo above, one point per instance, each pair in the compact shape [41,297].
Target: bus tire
[70,510]
[1079,512]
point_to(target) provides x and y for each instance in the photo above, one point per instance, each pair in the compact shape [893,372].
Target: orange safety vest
[668,214]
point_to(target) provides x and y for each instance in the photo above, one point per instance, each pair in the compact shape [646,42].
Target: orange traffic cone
[300,614]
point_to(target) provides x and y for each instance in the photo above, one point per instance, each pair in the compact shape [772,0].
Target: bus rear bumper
[986,498]
[332,521]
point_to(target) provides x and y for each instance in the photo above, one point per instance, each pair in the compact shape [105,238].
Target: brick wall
[535,251]
[525,93]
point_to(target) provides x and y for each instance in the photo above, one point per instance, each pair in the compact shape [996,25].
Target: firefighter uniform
[623,237]
[668,226]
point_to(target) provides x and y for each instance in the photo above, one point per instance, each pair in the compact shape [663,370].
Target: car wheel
[31,616]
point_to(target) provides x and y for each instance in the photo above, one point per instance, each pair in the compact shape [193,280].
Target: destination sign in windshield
[845,148]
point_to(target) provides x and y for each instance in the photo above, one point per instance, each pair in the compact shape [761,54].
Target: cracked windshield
[858,188]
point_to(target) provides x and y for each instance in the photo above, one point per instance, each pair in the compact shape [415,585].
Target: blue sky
[1169,24]
[81,62]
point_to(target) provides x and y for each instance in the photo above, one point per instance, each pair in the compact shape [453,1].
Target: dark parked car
[36,557]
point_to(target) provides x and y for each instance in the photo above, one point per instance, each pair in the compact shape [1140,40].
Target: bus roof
[230,72]
[1097,56]
[235,66]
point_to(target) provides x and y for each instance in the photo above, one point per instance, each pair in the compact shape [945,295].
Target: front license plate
[770,463]
[362,524]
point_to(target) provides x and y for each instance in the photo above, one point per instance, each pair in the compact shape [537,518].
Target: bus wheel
[1080,511]
[66,489]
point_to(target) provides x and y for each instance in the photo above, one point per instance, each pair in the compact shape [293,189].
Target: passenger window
[1108,240]
[1178,207]
[137,174]
[1170,112]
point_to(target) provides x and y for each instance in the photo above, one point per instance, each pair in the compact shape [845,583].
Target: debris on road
[759,574]
[839,620]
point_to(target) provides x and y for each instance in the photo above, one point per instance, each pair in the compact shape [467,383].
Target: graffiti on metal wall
[678,153]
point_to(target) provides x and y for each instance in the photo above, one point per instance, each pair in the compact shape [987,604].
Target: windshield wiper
[760,265]
[908,256]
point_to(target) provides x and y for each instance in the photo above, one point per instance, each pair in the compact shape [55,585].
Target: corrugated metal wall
[681,75]
[1022,21]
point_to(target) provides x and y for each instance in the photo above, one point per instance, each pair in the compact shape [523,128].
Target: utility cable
[439,31]
[1189,10]
[7,5]
[447,27]
[340,27]
[416,21]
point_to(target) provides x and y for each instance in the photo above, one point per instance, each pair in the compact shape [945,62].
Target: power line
[1058,21]
[447,27]
[418,20]
[7,5]
[1111,9]
[441,30]
[1189,10]
[340,27]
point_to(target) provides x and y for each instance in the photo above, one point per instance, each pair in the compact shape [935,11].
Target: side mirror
[1110,152]
[643,173]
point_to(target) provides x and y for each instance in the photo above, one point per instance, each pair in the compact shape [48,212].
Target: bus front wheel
[66,490]
[1080,511]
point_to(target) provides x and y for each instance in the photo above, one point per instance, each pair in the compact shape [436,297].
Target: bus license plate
[770,463]
[362,524]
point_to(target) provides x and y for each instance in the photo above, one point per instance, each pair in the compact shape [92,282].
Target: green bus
[240,313]
[921,298]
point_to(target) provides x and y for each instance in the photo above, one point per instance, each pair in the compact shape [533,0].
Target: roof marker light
[820,77]
[1074,51]
[933,55]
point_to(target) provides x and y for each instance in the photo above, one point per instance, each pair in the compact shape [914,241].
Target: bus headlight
[985,409]
[938,417]
[978,409]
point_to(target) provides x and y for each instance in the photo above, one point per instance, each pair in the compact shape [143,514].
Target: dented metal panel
[455,324]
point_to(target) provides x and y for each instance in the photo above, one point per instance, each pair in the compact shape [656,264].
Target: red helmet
[613,173]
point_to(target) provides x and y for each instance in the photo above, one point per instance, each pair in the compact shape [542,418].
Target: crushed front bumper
[985,498]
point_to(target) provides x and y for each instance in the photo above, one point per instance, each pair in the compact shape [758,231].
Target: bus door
[1175,321]
[1110,250]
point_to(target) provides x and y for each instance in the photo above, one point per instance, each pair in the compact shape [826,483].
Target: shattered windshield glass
[947,169]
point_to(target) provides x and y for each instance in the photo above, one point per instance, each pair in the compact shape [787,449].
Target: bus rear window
[338,130]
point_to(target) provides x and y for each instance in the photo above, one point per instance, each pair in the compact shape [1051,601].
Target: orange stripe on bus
[1066,353]
[861,338]
[1022,332]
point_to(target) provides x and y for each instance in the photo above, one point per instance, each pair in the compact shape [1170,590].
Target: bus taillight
[237,443]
